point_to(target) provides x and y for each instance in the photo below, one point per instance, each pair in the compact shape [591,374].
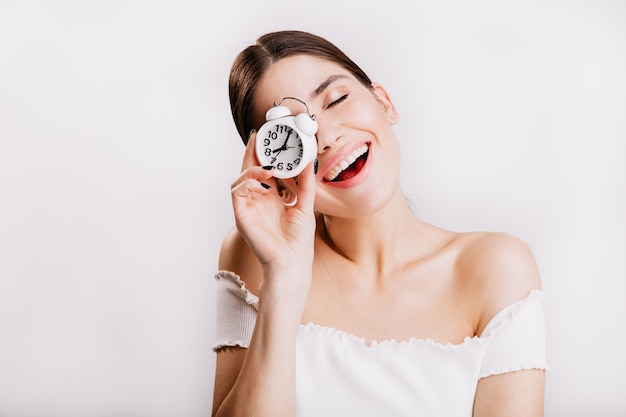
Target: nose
[328,134]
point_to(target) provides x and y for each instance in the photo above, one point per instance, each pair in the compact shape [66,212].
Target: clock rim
[308,151]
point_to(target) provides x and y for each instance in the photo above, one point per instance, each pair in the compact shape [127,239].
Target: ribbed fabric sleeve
[518,338]
[236,311]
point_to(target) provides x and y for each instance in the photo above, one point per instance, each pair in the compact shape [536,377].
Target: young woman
[333,298]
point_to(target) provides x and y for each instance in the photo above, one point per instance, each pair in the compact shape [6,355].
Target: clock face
[281,147]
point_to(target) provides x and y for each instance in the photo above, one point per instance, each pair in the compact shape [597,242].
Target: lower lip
[358,178]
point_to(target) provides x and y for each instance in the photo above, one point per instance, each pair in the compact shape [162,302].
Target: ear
[383,98]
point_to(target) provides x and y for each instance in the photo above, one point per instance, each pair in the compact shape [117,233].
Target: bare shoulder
[236,256]
[501,269]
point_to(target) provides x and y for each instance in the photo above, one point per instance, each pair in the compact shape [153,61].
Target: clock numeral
[266,142]
[280,166]
[289,166]
[283,129]
[297,161]
[272,135]
[268,151]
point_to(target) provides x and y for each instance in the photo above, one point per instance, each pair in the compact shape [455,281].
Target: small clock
[287,142]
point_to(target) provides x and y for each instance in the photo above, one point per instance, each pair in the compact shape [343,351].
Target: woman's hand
[280,235]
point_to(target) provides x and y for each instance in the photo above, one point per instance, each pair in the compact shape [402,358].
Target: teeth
[345,163]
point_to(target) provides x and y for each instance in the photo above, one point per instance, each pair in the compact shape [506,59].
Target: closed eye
[339,100]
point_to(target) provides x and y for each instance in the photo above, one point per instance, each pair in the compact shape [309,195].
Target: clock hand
[284,147]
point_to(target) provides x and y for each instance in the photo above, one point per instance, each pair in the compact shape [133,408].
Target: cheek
[366,115]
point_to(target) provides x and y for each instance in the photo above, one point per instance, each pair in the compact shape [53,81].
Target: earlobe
[383,98]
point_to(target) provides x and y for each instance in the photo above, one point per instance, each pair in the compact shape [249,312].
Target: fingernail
[295,179]
[266,186]
[315,167]
[251,132]
[268,167]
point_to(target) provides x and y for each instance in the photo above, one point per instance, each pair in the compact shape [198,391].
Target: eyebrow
[324,85]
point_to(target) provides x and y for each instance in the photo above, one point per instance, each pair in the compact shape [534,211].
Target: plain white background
[117,151]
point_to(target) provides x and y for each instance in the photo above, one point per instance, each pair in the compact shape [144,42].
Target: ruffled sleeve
[517,337]
[236,311]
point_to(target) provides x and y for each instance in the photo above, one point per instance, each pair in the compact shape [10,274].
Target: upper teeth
[346,162]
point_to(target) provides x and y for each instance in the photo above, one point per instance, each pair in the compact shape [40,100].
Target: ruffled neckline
[497,322]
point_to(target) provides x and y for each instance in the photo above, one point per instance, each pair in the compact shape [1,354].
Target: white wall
[117,151]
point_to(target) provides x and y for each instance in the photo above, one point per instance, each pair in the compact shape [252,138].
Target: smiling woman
[341,301]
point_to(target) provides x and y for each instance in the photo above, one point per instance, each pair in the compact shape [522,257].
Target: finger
[256,172]
[249,155]
[249,188]
[287,191]
[286,188]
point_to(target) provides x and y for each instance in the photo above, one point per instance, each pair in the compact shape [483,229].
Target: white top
[338,374]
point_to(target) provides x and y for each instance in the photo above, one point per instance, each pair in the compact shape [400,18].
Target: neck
[378,242]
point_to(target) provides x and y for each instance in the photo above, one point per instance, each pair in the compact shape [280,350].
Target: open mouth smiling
[350,166]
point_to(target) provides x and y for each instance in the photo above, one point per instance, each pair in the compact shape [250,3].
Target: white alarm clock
[287,142]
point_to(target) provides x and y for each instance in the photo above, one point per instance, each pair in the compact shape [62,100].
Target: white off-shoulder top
[338,374]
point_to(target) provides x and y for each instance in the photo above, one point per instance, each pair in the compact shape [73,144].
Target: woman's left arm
[509,272]
[513,394]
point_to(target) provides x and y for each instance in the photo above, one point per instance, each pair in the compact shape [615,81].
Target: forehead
[295,76]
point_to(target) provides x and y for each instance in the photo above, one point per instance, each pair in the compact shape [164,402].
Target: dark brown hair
[253,61]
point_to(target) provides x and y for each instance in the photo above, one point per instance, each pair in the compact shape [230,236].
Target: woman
[333,298]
